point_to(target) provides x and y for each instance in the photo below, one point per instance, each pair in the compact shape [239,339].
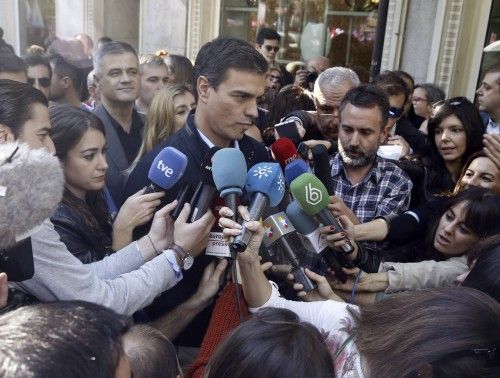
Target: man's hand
[492,148]
[4,290]
[209,284]
[193,237]
[338,208]
[301,78]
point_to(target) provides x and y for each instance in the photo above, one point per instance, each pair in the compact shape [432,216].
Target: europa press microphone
[284,151]
[313,198]
[229,170]
[309,228]
[167,168]
[266,184]
[205,191]
[276,229]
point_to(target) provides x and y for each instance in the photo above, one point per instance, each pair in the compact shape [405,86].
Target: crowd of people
[237,217]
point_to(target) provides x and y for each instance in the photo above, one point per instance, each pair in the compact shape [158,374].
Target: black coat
[188,141]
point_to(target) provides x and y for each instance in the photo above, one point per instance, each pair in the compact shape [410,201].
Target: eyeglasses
[274,77]
[455,101]
[395,112]
[44,82]
[270,48]
[418,99]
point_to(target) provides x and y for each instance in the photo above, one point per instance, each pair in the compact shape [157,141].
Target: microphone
[229,170]
[205,191]
[312,197]
[31,188]
[321,164]
[266,184]
[167,168]
[284,151]
[276,229]
[295,169]
[309,228]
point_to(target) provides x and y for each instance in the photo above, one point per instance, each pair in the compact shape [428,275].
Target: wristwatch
[186,259]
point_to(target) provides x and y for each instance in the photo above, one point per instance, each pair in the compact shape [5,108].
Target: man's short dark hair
[104,40]
[368,96]
[267,33]
[215,58]
[113,47]
[64,67]
[61,339]
[495,68]
[392,84]
[37,60]
[10,62]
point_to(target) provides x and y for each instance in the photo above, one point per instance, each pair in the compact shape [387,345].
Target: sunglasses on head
[270,48]
[395,112]
[43,81]
[455,101]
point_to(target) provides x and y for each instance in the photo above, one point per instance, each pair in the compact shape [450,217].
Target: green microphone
[313,198]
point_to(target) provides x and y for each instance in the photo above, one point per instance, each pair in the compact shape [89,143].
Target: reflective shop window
[491,52]
[342,30]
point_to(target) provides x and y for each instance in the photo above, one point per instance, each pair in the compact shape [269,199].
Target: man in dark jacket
[230,76]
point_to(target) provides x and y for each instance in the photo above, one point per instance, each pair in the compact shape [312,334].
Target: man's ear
[203,87]
[6,134]
[97,81]
[66,82]
[257,46]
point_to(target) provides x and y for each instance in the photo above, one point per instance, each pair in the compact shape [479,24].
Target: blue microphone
[295,169]
[167,168]
[229,170]
[266,185]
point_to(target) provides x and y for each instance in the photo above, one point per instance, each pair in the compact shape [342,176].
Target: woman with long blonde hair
[167,114]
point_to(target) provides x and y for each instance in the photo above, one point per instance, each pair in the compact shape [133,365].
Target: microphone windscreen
[284,151]
[310,193]
[206,176]
[295,169]
[229,170]
[303,223]
[31,188]
[266,178]
[167,167]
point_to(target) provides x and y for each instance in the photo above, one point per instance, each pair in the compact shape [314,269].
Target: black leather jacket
[80,239]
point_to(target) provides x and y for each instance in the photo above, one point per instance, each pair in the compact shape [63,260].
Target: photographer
[306,76]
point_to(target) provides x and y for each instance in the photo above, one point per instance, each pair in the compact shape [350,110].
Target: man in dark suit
[117,78]
[230,76]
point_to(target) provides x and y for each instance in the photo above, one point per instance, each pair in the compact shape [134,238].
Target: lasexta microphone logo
[313,195]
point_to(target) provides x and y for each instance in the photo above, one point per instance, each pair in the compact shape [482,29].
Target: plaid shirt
[385,189]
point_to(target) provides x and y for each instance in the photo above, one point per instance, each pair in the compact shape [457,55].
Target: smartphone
[288,129]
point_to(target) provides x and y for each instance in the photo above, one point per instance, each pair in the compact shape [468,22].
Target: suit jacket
[116,158]
[188,141]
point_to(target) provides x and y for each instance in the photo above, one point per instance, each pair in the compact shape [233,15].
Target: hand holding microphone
[167,168]
[312,197]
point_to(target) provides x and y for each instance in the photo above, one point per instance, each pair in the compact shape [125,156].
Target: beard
[362,158]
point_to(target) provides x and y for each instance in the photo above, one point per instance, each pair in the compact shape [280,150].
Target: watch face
[188,262]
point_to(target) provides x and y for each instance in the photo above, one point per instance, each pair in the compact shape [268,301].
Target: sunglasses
[455,101]
[395,112]
[44,82]
[274,78]
[270,48]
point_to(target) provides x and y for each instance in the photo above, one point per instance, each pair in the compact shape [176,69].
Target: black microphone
[205,191]
[321,164]
[276,229]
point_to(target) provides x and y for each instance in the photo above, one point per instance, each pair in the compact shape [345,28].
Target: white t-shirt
[333,321]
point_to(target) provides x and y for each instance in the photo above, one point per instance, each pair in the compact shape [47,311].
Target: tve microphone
[312,197]
[295,169]
[284,151]
[321,164]
[167,168]
[309,228]
[266,184]
[205,191]
[276,228]
[229,170]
